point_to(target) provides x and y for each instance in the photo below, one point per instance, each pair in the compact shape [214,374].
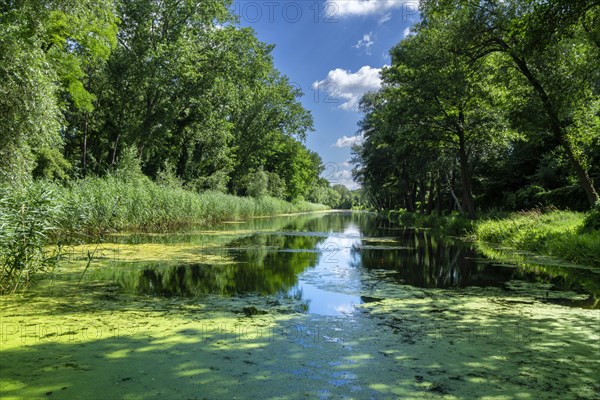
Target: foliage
[257,184]
[27,217]
[486,98]
[175,89]
[592,219]
[45,49]
[454,224]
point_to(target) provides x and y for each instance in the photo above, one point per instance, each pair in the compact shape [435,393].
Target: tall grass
[33,217]
[27,217]
[561,234]
[109,203]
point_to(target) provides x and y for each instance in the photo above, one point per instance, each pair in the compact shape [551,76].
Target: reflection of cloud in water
[325,302]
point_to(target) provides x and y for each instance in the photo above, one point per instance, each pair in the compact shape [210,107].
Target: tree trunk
[456,201]
[422,198]
[85,133]
[582,175]
[430,196]
[558,131]
[114,154]
[465,175]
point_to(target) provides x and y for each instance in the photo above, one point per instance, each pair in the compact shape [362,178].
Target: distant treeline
[177,83]
[487,105]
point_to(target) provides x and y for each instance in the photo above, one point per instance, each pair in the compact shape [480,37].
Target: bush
[257,184]
[592,219]
[407,218]
[457,225]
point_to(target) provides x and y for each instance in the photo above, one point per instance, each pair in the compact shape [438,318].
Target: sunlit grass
[559,234]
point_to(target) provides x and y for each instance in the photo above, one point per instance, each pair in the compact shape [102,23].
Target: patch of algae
[208,252]
[404,343]
[92,340]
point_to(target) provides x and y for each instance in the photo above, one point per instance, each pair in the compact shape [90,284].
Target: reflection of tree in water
[423,259]
[270,263]
[420,259]
[258,267]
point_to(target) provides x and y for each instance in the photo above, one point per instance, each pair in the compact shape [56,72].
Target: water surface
[324,261]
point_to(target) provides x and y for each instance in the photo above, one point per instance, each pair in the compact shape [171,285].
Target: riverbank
[39,219]
[568,236]
[112,204]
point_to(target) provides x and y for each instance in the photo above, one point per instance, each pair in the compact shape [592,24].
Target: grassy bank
[454,225]
[107,204]
[569,236]
[560,234]
[45,213]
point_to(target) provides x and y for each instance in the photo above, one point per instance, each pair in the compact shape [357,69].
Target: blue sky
[333,50]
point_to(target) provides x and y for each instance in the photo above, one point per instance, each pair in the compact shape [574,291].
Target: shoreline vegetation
[570,236]
[38,219]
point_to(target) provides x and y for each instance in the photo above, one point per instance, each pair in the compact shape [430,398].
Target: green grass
[42,214]
[569,236]
[560,234]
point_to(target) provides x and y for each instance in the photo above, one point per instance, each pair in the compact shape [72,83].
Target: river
[318,305]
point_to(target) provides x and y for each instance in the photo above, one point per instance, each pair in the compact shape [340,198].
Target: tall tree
[46,49]
[550,43]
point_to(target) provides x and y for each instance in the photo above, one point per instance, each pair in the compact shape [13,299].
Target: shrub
[592,219]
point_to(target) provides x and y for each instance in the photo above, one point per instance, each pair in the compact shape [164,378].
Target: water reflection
[322,259]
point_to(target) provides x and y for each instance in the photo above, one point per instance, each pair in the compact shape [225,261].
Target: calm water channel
[323,261]
[334,305]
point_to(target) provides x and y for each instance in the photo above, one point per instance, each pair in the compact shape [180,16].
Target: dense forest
[487,105]
[177,85]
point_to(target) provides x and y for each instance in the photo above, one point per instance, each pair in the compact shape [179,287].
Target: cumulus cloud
[365,43]
[349,86]
[343,177]
[346,141]
[368,7]
[406,32]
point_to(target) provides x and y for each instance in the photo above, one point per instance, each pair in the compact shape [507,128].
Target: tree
[551,44]
[433,103]
[46,50]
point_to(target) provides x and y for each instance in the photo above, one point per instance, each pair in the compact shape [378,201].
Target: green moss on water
[70,339]
[413,343]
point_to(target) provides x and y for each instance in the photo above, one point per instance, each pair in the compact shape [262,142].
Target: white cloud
[344,8]
[406,32]
[346,141]
[348,86]
[346,163]
[385,18]
[365,42]
[343,177]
